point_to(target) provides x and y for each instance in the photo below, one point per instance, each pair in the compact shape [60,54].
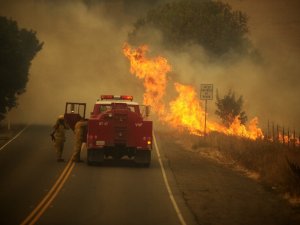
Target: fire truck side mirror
[147,110]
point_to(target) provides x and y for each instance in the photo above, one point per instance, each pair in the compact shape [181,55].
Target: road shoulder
[216,194]
[7,134]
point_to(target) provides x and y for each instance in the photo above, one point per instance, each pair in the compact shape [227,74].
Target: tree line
[211,24]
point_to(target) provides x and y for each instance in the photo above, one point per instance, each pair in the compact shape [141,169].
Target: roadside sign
[206,91]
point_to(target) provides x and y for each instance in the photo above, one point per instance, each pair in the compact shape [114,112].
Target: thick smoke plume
[82,58]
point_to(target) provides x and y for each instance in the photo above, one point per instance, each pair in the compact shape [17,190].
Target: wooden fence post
[294,138]
[268,132]
[283,141]
[273,132]
[277,132]
[288,140]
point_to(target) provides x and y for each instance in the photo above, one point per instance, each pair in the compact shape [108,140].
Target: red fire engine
[118,127]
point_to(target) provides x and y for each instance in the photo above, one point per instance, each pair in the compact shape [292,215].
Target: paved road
[118,193]
[115,193]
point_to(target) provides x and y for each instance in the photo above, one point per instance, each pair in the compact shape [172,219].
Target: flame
[153,71]
[186,111]
[287,139]
[252,132]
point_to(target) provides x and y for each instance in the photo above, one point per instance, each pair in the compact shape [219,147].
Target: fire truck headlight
[110,115]
[149,142]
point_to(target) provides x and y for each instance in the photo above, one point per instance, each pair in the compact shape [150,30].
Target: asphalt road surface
[35,189]
[69,193]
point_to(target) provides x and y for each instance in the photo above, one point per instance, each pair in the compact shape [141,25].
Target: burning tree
[17,48]
[229,108]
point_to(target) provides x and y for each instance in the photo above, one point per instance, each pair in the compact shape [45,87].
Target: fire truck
[117,128]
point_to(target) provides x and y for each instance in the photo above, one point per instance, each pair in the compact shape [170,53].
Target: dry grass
[260,160]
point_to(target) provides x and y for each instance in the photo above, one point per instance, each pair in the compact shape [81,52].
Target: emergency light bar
[117,97]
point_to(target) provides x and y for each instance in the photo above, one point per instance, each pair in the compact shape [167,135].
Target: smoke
[271,86]
[272,89]
[82,58]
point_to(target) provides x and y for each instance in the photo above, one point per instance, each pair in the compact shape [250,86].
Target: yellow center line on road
[43,205]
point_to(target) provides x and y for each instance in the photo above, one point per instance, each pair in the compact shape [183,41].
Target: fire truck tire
[143,158]
[95,156]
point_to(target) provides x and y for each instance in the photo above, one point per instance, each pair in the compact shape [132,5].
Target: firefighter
[58,137]
[80,136]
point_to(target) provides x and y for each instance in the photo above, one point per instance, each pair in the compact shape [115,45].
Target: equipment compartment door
[74,111]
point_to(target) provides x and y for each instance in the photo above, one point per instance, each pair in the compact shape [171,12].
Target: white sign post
[206,93]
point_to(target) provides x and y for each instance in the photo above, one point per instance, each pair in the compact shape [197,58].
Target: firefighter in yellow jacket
[58,137]
[80,136]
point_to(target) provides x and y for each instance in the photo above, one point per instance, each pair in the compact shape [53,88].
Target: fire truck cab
[119,127]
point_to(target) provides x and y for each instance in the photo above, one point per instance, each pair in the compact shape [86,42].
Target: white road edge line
[179,214]
[17,135]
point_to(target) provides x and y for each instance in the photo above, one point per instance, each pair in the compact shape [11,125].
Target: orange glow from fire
[186,111]
[287,139]
[252,131]
[153,71]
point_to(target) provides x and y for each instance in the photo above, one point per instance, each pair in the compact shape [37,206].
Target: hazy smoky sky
[274,91]
[82,57]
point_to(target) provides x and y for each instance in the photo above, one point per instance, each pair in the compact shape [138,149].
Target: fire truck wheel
[146,164]
[143,158]
[95,156]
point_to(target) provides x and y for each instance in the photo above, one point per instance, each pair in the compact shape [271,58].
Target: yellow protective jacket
[79,130]
[59,131]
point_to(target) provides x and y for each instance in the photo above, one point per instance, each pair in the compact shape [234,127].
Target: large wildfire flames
[186,111]
[153,71]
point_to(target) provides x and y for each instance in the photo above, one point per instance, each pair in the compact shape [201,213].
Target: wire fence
[282,135]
